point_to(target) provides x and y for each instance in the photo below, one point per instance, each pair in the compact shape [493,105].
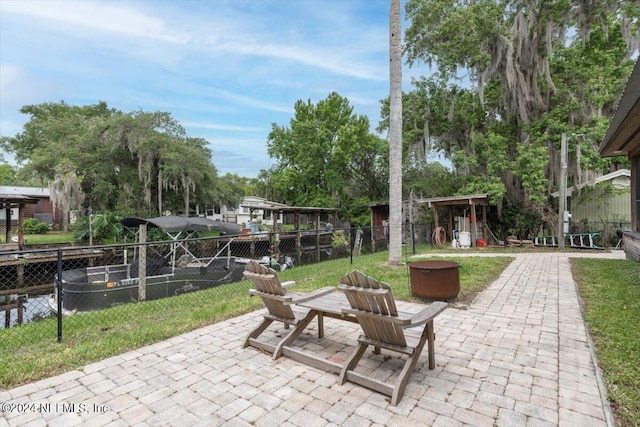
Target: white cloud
[217,126]
[222,68]
[249,145]
[314,57]
[234,37]
[112,17]
[250,101]
[9,74]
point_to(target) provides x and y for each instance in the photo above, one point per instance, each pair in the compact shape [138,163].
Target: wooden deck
[15,257]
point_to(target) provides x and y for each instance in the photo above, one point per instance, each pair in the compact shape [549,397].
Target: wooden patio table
[331,305]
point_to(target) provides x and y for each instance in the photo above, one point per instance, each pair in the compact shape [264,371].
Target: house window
[39,207]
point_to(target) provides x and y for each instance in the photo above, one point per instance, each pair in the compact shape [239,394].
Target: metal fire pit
[435,279]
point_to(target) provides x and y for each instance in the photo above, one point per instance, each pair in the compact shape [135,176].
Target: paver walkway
[518,356]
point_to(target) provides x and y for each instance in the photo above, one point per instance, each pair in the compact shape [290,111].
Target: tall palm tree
[395,136]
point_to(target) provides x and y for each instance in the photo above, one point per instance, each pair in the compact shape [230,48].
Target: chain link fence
[48,290]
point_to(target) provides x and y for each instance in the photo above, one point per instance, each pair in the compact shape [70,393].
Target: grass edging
[610,296]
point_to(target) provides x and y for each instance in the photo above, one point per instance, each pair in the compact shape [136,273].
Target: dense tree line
[539,69]
[131,163]
[145,164]
[510,78]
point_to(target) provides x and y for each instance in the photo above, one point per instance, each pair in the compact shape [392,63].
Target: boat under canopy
[173,273]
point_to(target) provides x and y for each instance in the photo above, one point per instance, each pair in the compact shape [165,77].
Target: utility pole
[562,193]
[90,212]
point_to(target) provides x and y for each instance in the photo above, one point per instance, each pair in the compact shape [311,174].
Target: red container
[438,280]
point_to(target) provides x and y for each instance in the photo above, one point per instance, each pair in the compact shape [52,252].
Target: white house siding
[600,207]
[603,205]
[241,213]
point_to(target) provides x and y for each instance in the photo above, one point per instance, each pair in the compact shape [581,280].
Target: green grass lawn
[62,237]
[93,336]
[610,290]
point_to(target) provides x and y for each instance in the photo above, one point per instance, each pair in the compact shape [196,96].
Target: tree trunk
[160,212]
[395,135]
[186,187]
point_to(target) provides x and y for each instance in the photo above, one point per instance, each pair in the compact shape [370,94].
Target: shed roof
[8,201]
[293,209]
[24,191]
[623,135]
[469,199]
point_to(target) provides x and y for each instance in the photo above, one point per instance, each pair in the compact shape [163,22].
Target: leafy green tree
[7,174]
[367,175]
[133,163]
[66,190]
[49,123]
[105,225]
[186,166]
[230,189]
[533,83]
[323,156]
[426,179]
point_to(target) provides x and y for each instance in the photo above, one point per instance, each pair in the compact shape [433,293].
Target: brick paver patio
[518,356]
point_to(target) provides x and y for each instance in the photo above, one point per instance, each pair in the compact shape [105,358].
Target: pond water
[35,308]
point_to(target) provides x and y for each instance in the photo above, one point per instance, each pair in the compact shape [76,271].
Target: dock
[14,292]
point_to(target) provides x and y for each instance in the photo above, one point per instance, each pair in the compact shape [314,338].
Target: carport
[469,201]
[12,201]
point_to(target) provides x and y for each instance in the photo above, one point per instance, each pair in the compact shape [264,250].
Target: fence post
[413,237]
[373,239]
[59,293]
[352,243]
[142,264]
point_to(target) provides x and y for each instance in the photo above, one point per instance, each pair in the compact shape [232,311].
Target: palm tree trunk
[395,136]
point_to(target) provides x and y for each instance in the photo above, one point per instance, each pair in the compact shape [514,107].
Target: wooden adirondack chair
[385,327]
[278,302]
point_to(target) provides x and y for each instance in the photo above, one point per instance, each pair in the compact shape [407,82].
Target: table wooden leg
[431,338]
[320,325]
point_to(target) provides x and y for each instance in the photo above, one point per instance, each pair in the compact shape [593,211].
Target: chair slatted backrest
[266,281]
[376,307]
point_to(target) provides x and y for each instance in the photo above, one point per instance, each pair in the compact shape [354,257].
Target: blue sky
[226,70]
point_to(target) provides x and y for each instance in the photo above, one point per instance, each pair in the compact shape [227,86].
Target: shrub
[106,226]
[34,226]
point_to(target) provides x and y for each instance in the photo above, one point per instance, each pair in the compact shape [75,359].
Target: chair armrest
[286,299]
[288,284]
[427,314]
[313,295]
[402,320]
